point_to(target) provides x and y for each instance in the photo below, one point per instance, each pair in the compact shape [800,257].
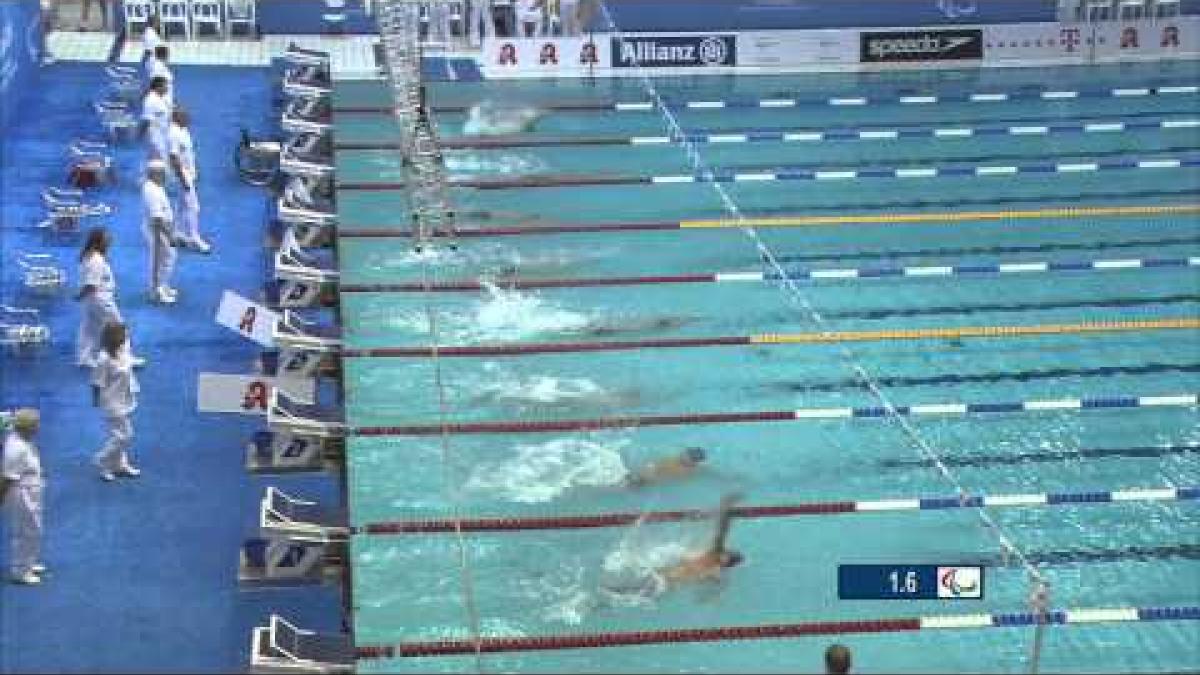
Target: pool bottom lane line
[942,333]
[776,631]
[948,409]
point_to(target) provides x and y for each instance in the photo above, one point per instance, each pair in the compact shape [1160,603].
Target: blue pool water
[420,587]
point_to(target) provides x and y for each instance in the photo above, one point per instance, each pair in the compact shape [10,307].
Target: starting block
[294,333]
[279,453]
[281,648]
[307,234]
[290,562]
[286,416]
[297,364]
[308,114]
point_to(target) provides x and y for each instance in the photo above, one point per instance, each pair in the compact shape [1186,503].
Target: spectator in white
[98,293]
[158,226]
[151,39]
[156,119]
[114,391]
[183,162]
[530,17]
[157,67]
[21,484]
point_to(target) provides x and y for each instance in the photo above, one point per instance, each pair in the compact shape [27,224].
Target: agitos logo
[930,45]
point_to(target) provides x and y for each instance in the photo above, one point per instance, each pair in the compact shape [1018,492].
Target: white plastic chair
[244,12]
[1166,8]
[206,13]
[1131,9]
[137,15]
[174,12]
[1099,10]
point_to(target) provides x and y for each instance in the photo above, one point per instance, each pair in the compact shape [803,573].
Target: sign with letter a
[247,394]
[250,319]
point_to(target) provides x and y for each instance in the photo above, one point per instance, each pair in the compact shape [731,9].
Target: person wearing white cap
[183,162]
[156,118]
[157,66]
[21,484]
[158,226]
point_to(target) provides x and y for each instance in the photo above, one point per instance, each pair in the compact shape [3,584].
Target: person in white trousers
[183,162]
[21,484]
[98,297]
[158,226]
[157,66]
[114,391]
[156,119]
[151,39]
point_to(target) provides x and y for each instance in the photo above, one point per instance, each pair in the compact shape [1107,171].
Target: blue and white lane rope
[797,173]
[962,409]
[1032,267]
[1062,617]
[818,135]
[851,101]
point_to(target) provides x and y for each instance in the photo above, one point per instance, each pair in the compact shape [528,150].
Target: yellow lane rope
[946,217]
[975,331]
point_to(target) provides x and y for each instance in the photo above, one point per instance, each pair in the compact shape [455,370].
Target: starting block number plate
[250,319]
[247,394]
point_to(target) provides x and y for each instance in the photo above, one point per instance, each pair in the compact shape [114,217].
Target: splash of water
[488,118]
[541,472]
[514,315]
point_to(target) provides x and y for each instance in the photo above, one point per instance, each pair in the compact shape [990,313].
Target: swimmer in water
[708,564]
[636,326]
[492,119]
[680,466]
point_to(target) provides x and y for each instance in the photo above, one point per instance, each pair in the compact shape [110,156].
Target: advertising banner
[1083,42]
[674,51]
[545,57]
[921,45]
[249,319]
[784,49]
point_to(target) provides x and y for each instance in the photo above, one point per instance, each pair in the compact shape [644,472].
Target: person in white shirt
[157,66]
[21,484]
[98,295]
[114,391]
[156,119]
[158,226]
[151,39]
[183,162]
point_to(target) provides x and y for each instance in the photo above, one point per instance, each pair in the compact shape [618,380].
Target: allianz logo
[708,51]
[925,44]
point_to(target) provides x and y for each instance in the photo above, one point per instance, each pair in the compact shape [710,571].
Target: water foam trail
[489,118]
[542,472]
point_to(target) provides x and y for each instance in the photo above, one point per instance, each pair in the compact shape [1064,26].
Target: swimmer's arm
[724,520]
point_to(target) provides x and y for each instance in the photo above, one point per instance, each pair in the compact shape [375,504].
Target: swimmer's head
[731,559]
[694,455]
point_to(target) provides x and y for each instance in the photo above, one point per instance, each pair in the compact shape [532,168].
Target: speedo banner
[921,45]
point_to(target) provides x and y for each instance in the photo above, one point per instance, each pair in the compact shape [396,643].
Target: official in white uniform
[151,39]
[183,162]
[156,119]
[97,294]
[157,67]
[114,391]
[21,484]
[158,227]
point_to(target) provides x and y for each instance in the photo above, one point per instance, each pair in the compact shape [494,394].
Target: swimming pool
[1082,217]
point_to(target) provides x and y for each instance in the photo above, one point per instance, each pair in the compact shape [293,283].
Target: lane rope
[1059,617]
[833,508]
[1167,89]
[798,173]
[952,217]
[887,410]
[799,273]
[819,337]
